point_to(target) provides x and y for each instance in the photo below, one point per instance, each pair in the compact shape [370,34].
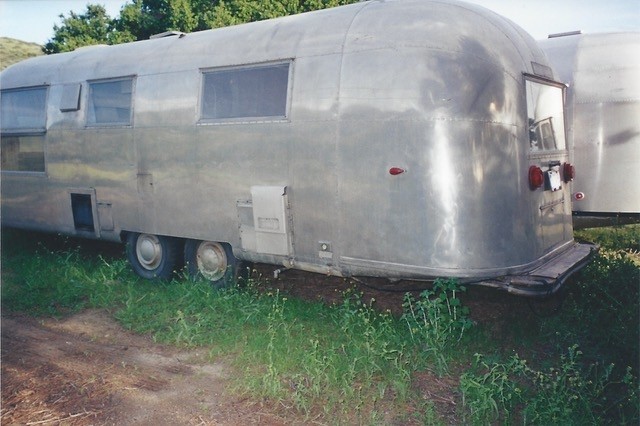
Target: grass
[584,361]
[615,238]
[514,392]
[350,363]
[13,51]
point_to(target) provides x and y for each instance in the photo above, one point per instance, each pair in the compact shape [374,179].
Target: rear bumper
[547,278]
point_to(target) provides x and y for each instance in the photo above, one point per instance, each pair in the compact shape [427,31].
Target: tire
[211,261]
[154,256]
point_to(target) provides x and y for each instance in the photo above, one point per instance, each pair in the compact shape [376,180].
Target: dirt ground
[86,369]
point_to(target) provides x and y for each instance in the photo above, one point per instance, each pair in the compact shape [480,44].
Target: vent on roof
[179,34]
[570,33]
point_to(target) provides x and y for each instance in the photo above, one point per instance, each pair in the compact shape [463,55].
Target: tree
[141,19]
[90,28]
[232,12]
[144,18]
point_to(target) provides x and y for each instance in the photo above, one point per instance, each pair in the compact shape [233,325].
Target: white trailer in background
[602,72]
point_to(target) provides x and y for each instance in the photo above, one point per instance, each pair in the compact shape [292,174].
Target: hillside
[12,51]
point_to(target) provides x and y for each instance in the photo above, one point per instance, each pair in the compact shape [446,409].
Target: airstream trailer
[402,139]
[603,115]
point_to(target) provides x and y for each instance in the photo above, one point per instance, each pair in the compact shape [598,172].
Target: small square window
[110,102]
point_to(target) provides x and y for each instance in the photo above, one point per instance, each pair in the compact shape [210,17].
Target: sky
[33,20]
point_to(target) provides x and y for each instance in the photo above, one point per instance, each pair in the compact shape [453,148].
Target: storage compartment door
[271,220]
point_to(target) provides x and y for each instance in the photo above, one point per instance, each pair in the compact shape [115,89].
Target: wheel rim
[149,251]
[211,260]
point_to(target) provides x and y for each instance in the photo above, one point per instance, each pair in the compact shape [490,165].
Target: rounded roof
[373,25]
[599,67]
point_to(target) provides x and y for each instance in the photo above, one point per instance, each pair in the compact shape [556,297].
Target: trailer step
[549,277]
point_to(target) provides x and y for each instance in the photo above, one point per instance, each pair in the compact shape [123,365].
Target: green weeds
[436,320]
[603,310]
[617,238]
[596,384]
[489,393]
[512,392]
[351,363]
[56,284]
[341,361]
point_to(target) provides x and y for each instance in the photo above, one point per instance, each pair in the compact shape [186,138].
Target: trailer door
[549,169]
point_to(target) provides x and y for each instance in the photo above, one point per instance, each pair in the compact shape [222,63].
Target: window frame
[28,132]
[41,136]
[89,103]
[535,79]
[246,119]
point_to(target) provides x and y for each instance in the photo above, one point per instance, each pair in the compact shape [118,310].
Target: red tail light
[568,172]
[536,177]
[395,171]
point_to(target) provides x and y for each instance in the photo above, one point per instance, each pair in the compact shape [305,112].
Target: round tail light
[536,177]
[568,172]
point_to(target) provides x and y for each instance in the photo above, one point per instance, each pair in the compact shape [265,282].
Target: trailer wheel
[153,256]
[212,261]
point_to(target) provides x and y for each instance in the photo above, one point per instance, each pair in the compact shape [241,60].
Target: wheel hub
[212,260]
[149,251]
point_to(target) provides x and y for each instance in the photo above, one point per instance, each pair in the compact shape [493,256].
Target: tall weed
[571,394]
[490,392]
[602,311]
[436,320]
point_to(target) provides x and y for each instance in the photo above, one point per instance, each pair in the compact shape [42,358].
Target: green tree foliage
[140,19]
[232,12]
[90,28]
[144,18]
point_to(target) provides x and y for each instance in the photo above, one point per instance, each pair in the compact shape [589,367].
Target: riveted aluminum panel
[603,114]
[434,88]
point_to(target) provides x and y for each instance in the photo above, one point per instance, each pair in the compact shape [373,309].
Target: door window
[545,113]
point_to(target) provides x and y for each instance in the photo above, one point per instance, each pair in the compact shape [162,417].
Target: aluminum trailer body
[603,115]
[401,139]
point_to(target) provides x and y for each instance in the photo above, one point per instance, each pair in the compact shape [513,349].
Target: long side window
[545,111]
[24,120]
[110,102]
[258,91]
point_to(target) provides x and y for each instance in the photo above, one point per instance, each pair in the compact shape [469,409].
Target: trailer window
[24,119]
[247,92]
[23,153]
[545,110]
[24,109]
[110,102]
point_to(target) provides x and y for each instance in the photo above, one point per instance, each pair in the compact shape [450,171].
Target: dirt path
[87,370]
